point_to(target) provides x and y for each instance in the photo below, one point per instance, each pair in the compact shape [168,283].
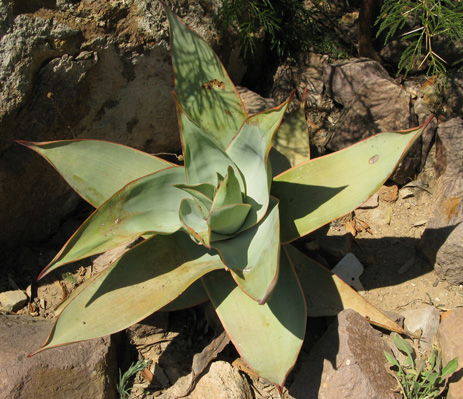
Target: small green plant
[218,228]
[122,388]
[430,19]
[420,379]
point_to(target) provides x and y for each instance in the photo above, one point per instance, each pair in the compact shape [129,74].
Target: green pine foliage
[288,27]
[430,19]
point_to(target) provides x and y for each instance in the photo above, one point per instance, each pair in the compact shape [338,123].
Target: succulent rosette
[218,228]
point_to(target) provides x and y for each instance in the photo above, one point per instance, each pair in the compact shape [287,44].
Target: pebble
[425,319]
[12,301]
[372,202]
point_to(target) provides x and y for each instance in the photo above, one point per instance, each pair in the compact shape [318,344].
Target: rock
[253,102]
[6,16]
[337,244]
[307,75]
[82,370]
[388,193]
[395,317]
[372,202]
[424,322]
[451,341]
[220,381]
[349,269]
[373,103]
[348,362]
[332,243]
[93,69]
[442,241]
[12,301]
[29,43]
[454,95]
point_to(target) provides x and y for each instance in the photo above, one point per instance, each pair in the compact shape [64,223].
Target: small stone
[420,223]
[336,244]
[425,319]
[349,269]
[450,337]
[253,102]
[395,317]
[222,381]
[370,203]
[12,301]
[388,194]
[406,193]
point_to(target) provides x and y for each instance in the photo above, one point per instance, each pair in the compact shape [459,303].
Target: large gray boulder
[442,241]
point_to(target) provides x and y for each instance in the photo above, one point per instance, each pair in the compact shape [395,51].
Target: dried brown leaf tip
[213,83]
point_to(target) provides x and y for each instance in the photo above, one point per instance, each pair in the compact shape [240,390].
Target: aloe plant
[217,228]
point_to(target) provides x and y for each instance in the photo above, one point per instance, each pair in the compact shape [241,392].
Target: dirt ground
[397,277]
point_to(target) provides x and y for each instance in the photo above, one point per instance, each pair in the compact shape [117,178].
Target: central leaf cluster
[215,210]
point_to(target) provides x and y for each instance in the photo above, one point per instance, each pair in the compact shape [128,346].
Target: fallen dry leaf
[365,226]
[351,229]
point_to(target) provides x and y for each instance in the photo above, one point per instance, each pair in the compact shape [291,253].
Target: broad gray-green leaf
[327,295]
[249,151]
[228,219]
[149,204]
[145,279]
[194,221]
[278,326]
[204,159]
[320,190]
[202,84]
[97,169]
[291,141]
[203,192]
[252,256]
[202,201]
[192,296]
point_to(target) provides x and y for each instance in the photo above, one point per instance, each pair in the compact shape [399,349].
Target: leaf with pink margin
[97,169]
[142,281]
[149,204]
[253,256]
[278,326]
[326,188]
